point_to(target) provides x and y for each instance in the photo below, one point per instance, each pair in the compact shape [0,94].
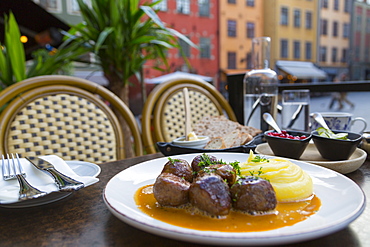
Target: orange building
[240,22]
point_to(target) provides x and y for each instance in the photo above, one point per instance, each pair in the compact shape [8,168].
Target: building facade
[331,35]
[359,61]
[334,36]
[198,21]
[292,26]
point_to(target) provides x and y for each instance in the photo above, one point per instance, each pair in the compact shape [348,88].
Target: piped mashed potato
[289,181]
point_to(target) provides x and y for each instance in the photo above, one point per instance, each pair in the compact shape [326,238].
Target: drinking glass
[296,110]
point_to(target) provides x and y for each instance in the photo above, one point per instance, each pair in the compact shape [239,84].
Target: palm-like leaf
[124,35]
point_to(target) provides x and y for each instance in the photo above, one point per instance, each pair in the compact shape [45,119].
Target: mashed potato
[289,181]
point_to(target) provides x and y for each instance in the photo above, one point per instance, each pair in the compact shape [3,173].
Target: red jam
[284,134]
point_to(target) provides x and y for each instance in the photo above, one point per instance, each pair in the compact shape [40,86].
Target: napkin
[9,189]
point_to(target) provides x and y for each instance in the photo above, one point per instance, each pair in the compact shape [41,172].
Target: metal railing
[236,92]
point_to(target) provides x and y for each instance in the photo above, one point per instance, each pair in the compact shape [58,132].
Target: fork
[13,169]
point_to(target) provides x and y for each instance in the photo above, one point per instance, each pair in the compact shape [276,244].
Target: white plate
[342,202]
[81,168]
[312,155]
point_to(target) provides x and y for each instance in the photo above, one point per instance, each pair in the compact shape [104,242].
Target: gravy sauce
[285,214]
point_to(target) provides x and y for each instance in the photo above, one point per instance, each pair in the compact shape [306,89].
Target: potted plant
[123,35]
[13,60]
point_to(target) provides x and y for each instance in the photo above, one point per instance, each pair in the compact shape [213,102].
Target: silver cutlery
[63,182]
[12,168]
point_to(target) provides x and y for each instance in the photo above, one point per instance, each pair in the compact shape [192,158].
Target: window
[73,7]
[324,27]
[231,28]
[297,18]
[231,60]
[347,6]
[205,48]
[284,48]
[203,6]
[250,3]
[308,50]
[334,51]
[297,49]
[185,48]
[335,29]
[358,23]
[346,30]
[250,30]
[336,4]
[324,4]
[231,1]
[249,61]
[322,54]
[183,6]
[51,5]
[368,25]
[162,5]
[308,20]
[344,55]
[284,16]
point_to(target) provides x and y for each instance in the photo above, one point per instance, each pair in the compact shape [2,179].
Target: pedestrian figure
[340,97]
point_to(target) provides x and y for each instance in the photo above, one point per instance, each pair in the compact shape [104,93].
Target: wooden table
[83,220]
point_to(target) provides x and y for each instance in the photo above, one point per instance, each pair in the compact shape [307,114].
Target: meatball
[210,193]
[180,168]
[226,172]
[201,161]
[253,194]
[171,190]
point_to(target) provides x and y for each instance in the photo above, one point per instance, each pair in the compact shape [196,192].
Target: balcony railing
[235,89]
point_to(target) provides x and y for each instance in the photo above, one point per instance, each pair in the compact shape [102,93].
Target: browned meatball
[225,171]
[210,193]
[200,161]
[180,168]
[253,194]
[171,190]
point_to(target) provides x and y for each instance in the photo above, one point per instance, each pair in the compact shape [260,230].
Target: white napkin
[9,190]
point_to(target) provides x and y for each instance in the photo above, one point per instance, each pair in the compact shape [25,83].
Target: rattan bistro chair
[66,116]
[163,116]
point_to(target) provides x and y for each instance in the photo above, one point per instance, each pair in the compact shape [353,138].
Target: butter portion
[192,136]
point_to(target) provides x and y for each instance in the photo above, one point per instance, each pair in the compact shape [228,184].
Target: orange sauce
[286,214]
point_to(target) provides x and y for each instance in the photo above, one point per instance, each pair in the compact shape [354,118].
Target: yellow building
[239,22]
[292,26]
[335,19]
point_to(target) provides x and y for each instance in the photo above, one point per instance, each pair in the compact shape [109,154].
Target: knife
[63,182]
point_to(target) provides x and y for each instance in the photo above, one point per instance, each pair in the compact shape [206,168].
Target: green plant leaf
[15,48]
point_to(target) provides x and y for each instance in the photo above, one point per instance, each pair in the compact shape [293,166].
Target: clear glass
[260,86]
[296,110]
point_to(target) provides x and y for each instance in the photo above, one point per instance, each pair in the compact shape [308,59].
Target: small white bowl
[203,140]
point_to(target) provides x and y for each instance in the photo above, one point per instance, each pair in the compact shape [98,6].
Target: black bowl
[336,149]
[289,148]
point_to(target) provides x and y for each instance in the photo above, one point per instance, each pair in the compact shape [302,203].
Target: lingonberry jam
[285,134]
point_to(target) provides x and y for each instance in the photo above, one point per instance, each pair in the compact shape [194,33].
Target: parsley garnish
[259,159]
[236,167]
[173,160]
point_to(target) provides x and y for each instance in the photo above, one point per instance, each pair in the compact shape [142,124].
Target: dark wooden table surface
[83,219]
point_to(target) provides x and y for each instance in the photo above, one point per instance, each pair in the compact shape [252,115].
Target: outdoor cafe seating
[163,117]
[38,119]
[65,116]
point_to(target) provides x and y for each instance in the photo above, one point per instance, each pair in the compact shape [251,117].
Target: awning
[33,21]
[176,74]
[301,70]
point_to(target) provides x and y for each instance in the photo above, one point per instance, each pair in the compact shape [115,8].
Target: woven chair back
[163,117]
[66,120]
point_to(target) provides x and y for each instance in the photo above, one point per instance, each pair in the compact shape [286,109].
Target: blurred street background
[361,101]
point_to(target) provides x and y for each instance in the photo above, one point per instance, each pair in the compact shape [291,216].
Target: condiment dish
[286,147]
[336,149]
[200,143]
